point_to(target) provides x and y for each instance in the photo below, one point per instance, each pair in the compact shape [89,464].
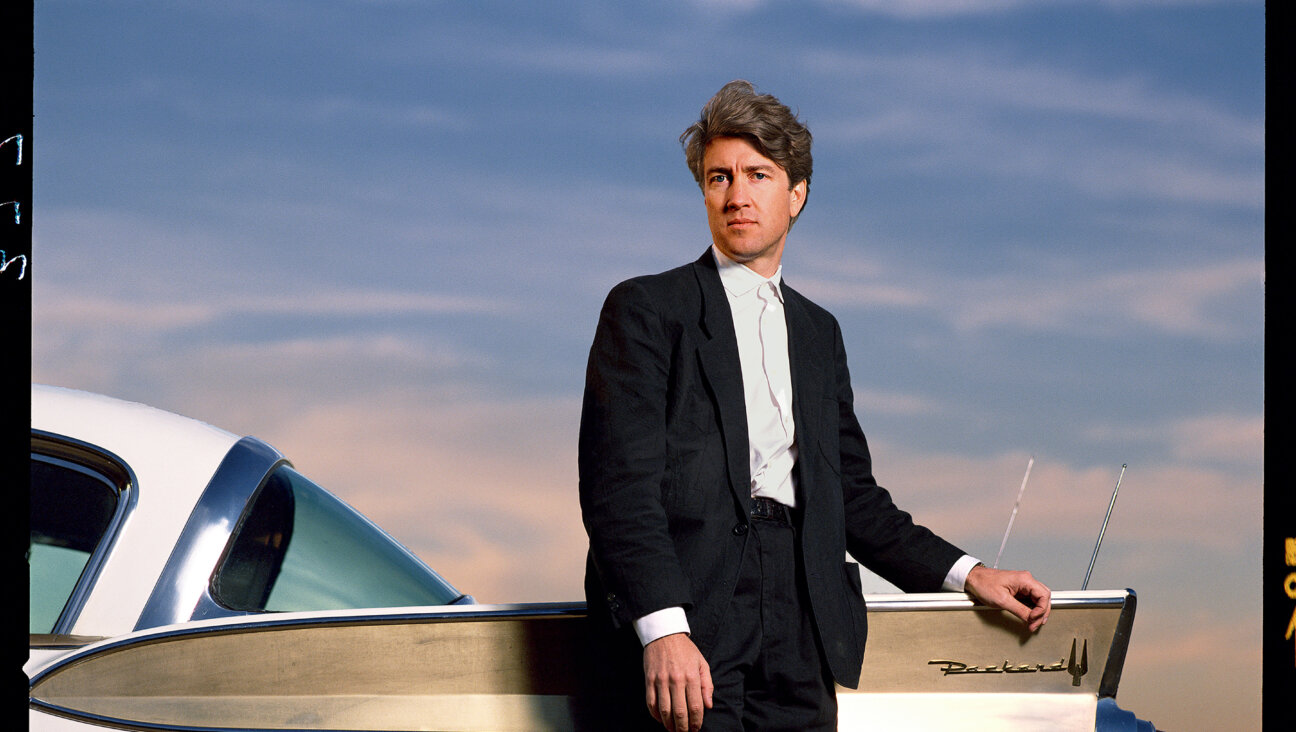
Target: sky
[378,234]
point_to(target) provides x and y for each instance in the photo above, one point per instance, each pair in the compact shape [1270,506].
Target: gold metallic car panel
[519,667]
[966,648]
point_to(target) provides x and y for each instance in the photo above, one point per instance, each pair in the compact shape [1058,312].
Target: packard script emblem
[1077,668]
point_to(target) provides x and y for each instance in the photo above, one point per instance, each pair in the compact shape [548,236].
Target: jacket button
[740,529]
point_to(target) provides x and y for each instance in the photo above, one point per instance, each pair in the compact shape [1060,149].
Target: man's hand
[677,682]
[1015,591]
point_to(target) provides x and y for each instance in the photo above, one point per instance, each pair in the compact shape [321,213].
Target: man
[724,476]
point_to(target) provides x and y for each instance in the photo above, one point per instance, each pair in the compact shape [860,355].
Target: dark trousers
[767,666]
[766,662]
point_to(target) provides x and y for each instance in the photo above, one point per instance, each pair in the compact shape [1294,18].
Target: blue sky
[377,234]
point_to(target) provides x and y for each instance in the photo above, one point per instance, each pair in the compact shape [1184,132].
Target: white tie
[774,349]
[771,425]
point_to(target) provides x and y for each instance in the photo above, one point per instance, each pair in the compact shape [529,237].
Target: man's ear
[797,197]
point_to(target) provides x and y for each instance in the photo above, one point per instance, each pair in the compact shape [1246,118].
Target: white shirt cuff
[660,624]
[958,573]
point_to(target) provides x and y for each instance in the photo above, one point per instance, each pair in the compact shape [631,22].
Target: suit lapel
[807,381]
[718,359]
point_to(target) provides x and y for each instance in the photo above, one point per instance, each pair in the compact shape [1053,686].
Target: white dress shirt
[756,304]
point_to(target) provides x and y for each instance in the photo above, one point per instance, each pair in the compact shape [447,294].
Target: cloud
[108,343]
[149,273]
[978,78]
[1175,300]
[234,102]
[941,9]
[61,308]
[1214,439]
[492,48]
[1226,438]
[1111,137]
[729,6]
[1132,174]
[970,497]
[874,401]
[925,9]
[349,112]
[581,60]
[215,356]
[867,293]
[1196,301]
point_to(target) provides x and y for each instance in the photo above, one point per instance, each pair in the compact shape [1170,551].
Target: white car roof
[171,457]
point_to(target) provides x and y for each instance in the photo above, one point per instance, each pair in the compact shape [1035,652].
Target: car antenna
[1013,516]
[1110,506]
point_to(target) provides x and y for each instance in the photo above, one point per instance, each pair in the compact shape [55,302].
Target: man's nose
[738,193]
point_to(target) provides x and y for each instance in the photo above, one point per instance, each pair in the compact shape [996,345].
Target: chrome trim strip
[364,616]
[66,451]
[181,592]
[958,601]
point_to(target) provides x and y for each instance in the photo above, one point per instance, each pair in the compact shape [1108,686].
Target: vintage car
[184,578]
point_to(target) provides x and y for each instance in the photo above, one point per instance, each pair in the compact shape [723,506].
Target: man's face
[748,202]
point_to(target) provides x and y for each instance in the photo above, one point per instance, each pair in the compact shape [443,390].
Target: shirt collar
[739,280]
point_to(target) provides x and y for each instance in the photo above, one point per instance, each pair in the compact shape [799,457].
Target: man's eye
[719,178]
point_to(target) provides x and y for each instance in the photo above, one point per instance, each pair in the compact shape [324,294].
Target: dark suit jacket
[664,476]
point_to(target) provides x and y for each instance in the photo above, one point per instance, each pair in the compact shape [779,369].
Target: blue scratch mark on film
[17,139]
[5,261]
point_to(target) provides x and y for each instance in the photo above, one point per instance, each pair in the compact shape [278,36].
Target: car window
[300,548]
[72,509]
